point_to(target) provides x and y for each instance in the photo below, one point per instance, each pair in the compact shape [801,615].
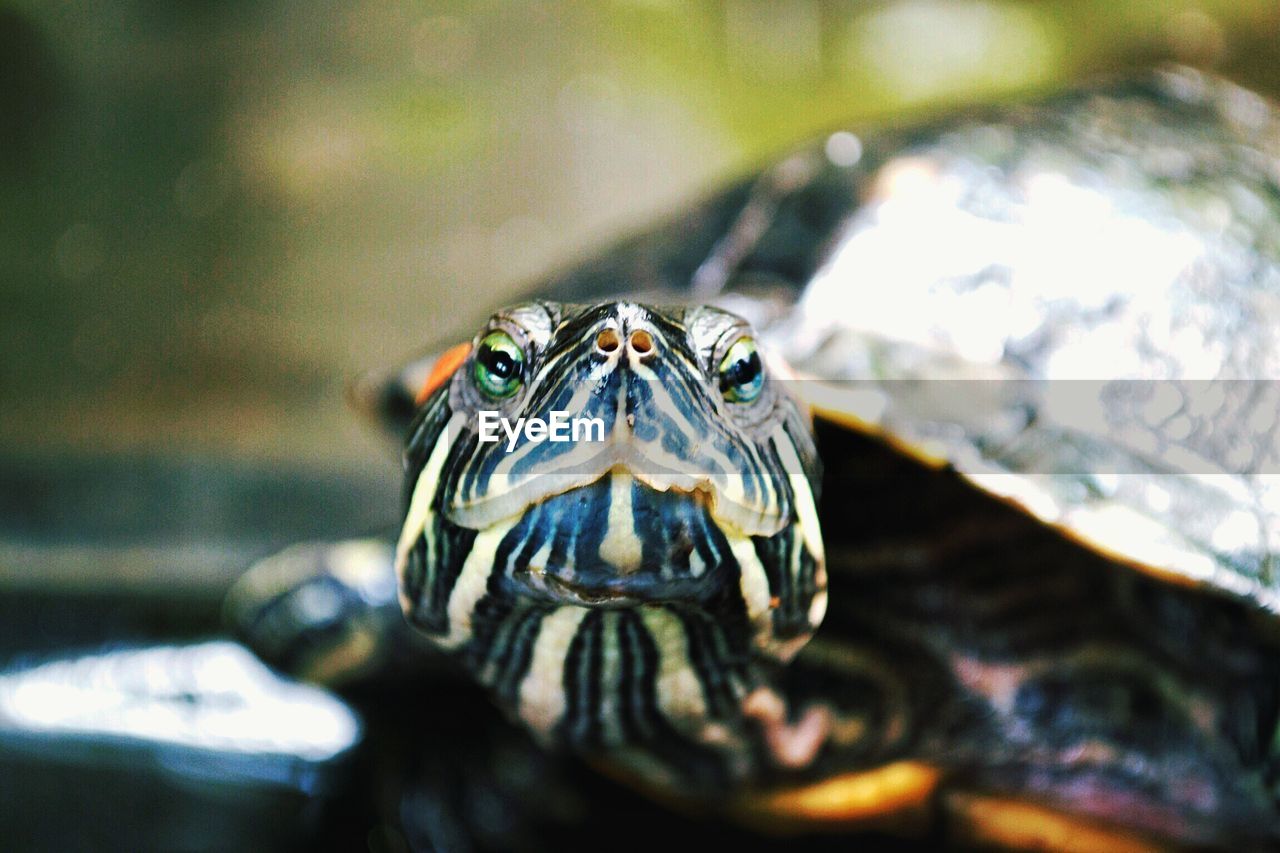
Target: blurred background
[216,214]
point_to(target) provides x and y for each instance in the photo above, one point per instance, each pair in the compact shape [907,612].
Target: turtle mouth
[538,582]
[603,588]
[617,543]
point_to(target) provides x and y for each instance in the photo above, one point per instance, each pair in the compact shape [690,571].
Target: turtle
[923,479]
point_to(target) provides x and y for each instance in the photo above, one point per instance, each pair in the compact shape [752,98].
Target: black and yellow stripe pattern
[618,595]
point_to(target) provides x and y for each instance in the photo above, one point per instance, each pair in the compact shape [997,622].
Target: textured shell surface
[1077,307]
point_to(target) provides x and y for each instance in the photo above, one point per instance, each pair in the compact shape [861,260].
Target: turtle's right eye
[499,366]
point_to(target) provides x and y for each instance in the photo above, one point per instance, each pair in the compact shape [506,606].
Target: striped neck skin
[622,593]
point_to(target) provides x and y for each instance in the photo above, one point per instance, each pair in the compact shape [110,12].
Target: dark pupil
[497,362]
[742,371]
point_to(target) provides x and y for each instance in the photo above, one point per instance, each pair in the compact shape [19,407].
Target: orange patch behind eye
[448,362]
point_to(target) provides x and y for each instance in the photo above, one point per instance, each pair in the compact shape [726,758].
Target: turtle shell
[1078,312]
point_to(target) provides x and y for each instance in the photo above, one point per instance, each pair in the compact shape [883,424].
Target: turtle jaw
[549,584]
[616,543]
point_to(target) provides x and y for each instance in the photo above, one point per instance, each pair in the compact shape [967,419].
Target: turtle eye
[741,373]
[499,366]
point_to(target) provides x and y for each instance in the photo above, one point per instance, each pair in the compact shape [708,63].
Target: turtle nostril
[607,341]
[641,343]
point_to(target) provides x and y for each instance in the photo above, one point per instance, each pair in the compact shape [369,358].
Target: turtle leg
[326,612]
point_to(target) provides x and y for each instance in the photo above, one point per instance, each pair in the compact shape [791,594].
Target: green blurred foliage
[217,213]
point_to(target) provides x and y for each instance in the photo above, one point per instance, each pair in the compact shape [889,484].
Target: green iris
[499,366]
[741,373]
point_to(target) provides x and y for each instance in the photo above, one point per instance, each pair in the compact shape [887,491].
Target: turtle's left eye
[741,373]
[499,366]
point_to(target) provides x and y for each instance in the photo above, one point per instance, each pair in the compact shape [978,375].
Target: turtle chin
[618,544]
[615,544]
[617,618]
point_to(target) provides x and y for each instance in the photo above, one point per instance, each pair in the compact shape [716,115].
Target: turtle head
[613,480]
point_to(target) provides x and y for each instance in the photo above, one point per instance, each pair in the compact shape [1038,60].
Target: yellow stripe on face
[818,608]
[806,511]
[753,581]
[621,546]
[472,582]
[417,521]
[542,695]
